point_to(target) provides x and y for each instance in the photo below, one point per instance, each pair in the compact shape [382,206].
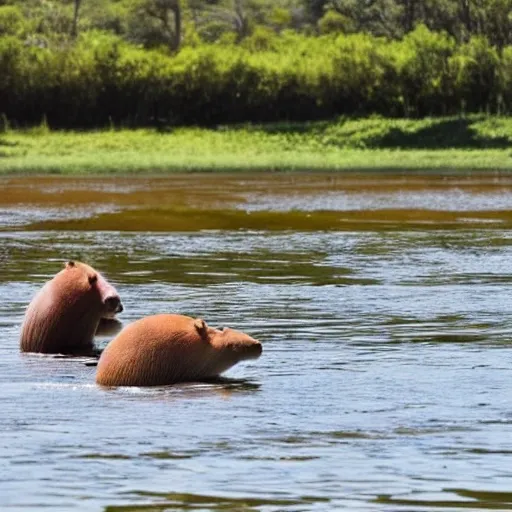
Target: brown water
[383,303]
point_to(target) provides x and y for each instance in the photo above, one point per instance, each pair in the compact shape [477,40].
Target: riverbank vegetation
[166,63]
[453,143]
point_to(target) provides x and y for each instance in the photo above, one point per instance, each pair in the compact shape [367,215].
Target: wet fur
[64,315]
[166,349]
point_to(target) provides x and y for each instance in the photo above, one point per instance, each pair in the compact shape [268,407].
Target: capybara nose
[113,304]
[255,350]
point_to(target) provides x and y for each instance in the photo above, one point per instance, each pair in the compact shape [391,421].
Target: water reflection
[345,201]
[478,500]
[180,501]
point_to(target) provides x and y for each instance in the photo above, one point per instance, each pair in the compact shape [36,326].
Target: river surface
[383,303]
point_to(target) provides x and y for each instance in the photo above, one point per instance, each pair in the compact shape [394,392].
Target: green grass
[476,142]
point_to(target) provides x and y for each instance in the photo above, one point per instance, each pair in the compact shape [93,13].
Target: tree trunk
[161,10]
[241,21]
[176,10]
[410,15]
[465,13]
[76,16]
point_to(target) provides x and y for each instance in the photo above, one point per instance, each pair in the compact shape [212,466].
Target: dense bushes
[99,79]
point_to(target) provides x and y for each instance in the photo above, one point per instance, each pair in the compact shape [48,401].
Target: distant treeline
[100,80]
[73,70]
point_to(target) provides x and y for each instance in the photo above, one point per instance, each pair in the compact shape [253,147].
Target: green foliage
[107,16]
[127,75]
[262,39]
[372,143]
[280,18]
[476,67]
[461,19]
[505,87]
[424,70]
[216,31]
[333,21]
[12,21]
[52,18]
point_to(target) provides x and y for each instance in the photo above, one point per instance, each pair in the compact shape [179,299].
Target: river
[383,303]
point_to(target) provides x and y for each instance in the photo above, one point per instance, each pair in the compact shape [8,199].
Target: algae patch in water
[187,501]
[480,500]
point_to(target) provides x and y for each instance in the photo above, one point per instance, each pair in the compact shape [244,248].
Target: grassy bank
[476,142]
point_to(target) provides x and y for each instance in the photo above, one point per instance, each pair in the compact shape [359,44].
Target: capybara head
[166,349]
[239,345]
[94,286]
[65,313]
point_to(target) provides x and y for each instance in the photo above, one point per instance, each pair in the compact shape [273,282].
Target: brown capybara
[166,349]
[65,314]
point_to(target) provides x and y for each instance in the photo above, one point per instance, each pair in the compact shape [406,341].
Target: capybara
[166,349]
[64,315]
[109,326]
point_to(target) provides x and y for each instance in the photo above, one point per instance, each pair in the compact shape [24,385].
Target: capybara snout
[240,343]
[245,352]
[254,351]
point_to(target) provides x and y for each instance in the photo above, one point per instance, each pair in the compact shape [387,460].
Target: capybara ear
[69,264]
[201,327]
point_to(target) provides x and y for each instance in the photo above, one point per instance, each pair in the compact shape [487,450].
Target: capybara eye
[93,279]
[221,328]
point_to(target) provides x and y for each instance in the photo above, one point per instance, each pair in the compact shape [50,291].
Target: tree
[316,8]
[169,14]
[493,19]
[380,17]
[233,15]
[76,15]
